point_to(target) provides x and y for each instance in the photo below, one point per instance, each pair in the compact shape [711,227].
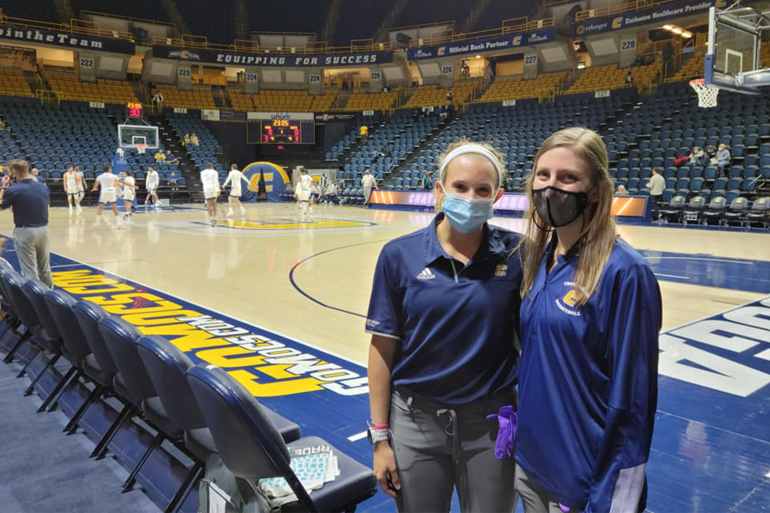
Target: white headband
[472,148]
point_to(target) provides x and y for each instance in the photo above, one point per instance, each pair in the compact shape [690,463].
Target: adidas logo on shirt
[426,274]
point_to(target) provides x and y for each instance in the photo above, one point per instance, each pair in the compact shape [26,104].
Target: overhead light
[676,30]
[668,27]
[478,56]
[687,35]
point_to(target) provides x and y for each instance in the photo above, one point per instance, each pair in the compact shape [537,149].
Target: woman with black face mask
[590,316]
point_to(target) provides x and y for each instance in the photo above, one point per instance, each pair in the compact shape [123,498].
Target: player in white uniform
[82,184]
[152,182]
[107,182]
[129,193]
[71,181]
[210,182]
[302,191]
[234,179]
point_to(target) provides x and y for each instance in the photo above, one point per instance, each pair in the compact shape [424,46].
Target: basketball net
[140,148]
[707,94]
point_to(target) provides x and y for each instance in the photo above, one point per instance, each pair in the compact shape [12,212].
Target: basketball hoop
[140,148]
[707,94]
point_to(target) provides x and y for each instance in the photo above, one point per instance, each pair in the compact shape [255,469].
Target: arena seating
[360,100]
[692,68]
[598,78]
[514,88]
[55,138]
[290,101]
[516,132]
[198,98]
[209,146]
[394,141]
[669,123]
[431,95]
[14,83]
[69,87]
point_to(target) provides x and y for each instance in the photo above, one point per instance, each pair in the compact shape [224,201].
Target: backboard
[734,44]
[131,135]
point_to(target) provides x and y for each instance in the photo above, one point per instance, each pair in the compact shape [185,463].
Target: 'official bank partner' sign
[482,45]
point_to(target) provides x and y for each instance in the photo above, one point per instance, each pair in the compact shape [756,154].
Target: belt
[31,226]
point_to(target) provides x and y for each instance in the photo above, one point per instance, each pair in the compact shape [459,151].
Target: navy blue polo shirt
[29,199]
[456,325]
[588,381]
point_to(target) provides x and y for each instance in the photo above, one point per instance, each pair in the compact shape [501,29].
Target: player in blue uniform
[590,317]
[443,317]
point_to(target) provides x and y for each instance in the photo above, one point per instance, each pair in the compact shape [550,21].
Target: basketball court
[304,289]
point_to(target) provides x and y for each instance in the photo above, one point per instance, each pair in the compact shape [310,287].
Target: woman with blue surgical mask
[590,316]
[443,316]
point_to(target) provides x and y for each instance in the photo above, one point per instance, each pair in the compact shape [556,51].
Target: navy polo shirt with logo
[456,325]
[29,199]
[588,381]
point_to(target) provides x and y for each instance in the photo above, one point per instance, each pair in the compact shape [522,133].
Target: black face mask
[558,207]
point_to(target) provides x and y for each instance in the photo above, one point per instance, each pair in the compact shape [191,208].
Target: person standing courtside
[369,183]
[657,185]
[30,200]
[443,316]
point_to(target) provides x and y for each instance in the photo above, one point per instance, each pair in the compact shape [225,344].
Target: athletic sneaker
[243,212]
[80,209]
[230,213]
[213,221]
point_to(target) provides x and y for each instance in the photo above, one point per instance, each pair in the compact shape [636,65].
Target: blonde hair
[598,234]
[453,147]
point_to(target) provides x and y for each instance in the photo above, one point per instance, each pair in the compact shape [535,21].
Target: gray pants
[32,248]
[439,448]
[367,195]
[533,497]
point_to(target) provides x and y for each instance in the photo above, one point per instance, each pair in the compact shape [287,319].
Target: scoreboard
[280,128]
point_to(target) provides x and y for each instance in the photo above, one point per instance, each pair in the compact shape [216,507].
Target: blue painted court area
[711,448]
[710,271]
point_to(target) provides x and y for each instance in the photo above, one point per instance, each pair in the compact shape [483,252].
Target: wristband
[381,427]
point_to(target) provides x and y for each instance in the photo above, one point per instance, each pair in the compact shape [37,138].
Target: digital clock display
[281,128]
[281,131]
[134,109]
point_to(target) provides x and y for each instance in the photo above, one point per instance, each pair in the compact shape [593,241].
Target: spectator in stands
[368,182]
[30,201]
[682,159]
[449,102]
[157,100]
[364,132]
[36,175]
[657,185]
[2,125]
[171,159]
[427,181]
[711,154]
[160,157]
[697,156]
[194,140]
[590,316]
[430,429]
[723,158]
[629,79]
[186,140]
[622,191]
[173,182]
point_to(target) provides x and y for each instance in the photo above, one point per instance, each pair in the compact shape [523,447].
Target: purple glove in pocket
[506,437]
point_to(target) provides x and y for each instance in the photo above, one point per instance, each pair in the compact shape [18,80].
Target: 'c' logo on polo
[501,270]
[570,299]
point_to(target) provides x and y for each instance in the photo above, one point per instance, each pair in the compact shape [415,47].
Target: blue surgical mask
[466,215]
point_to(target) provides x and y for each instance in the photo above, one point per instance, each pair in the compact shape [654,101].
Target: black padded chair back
[88,316]
[62,308]
[120,339]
